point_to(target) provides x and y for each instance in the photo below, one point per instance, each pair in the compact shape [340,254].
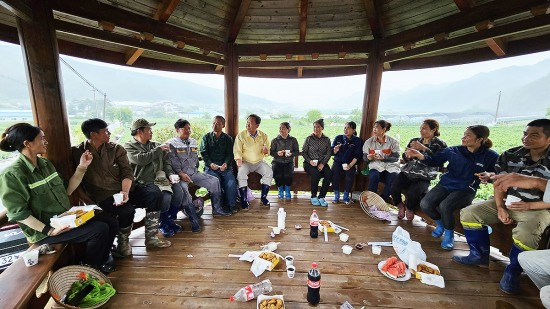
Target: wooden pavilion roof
[291,38]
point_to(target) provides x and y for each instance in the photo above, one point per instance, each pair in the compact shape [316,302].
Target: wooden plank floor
[197,273]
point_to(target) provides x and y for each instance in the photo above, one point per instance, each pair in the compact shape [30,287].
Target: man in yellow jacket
[249,150]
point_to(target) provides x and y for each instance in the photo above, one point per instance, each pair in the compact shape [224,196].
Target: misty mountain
[525,86]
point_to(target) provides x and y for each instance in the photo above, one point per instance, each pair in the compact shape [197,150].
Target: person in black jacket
[284,148]
[347,153]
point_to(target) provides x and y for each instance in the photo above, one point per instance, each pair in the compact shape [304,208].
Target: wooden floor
[197,273]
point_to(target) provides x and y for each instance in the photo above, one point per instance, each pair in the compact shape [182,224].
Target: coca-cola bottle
[252,291]
[313,285]
[314,224]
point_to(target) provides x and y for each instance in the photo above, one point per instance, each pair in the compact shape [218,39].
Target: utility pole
[498,104]
[104,103]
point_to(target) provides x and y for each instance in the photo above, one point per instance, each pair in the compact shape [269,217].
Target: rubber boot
[510,279]
[281,192]
[448,241]
[346,198]
[478,241]
[193,218]
[438,231]
[152,222]
[164,227]
[217,209]
[244,200]
[336,197]
[263,198]
[123,248]
[288,196]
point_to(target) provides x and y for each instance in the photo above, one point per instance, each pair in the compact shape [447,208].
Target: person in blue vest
[458,185]
[347,153]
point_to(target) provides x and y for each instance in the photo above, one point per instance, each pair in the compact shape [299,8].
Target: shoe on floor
[322,202]
[315,201]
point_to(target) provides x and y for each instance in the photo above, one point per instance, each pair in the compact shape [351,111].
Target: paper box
[271,257]
[74,217]
[264,301]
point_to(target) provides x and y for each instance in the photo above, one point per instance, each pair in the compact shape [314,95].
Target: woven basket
[60,282]
[367,199]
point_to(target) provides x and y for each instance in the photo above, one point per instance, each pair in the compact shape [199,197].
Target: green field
[504,136]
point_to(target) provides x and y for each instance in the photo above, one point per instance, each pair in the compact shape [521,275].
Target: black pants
[97,234]
[315,176]
[282,172]
[440,204]
[149,197]
[349,175]
[124,213]
[412,188]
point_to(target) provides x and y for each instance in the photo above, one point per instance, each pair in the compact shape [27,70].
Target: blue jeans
[374,179]
[228,184]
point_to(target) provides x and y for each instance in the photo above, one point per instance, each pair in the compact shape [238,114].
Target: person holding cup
[284,148]
[33,192]
[457,187]
[316,152]
[522,201]
[347,152]
[382,154]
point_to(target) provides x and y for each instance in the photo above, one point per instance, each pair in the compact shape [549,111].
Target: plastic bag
[404,246]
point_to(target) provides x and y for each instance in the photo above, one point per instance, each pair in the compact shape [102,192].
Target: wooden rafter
[132,55]
[237,21]
[493,10]
[536,22]
[135,43]
[18,8]
[310,73]
[303,63]
[304,48]
[165,9]
[374,17]
[302,10]
[464,5]
[95,10]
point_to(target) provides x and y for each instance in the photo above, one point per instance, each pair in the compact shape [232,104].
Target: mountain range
[521,86]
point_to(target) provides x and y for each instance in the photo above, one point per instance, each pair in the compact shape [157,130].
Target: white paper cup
[276,231]
[344,237]
[287,153]
[290,271]
[511,199]
[344,165]
[315,162]
[376,249]
[347,249]
[289,259]
[378,152]
[174,178]
[118,198]
[30,258]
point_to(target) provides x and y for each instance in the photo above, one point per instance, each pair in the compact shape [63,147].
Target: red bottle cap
[314,265]
[315,211]
[231,298]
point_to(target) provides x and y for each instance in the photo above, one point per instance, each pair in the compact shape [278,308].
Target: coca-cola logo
[314,284]
[314,223]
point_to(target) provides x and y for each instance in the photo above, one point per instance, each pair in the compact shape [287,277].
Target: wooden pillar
[231,90]
[370,103]
[41,58]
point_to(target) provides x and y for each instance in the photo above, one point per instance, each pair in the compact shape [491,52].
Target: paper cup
[289,259]
[315,162]
[290,271]
[511,199]
[347,249]
[344,165]
[287,153]
[344,237]
[30,258]
[276,231]
[378,152]
[174,178]
[118,198]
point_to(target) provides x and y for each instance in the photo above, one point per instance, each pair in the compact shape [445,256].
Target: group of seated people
[156,176]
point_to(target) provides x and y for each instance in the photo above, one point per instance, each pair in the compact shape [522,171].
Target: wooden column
[41,57]
[370,102]
[231,90]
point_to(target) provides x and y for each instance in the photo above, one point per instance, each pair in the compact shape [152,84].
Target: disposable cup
[378,152]
[290,271]
[276,230]
[174,178]
[118,198]
[31,257]
[315,162]
[346,249]
[511,199]
[289,259]
[344,237]
[344,165]
[287,153]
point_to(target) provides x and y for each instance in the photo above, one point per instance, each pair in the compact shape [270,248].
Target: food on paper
[74,217]
[423,268]
[271,302]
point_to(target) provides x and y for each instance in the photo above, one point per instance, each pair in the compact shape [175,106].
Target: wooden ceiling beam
[464,5]
[95,10]
[303,63]
[493,10]
[534,23]
[302,10]
[18,8]
[374,17]
[237,21]
[165,9]
[80,30]
[304,48]
[306,73]
[133,54]
[514,48]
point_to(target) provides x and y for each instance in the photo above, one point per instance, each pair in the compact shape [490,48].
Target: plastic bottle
[313,285]
[252,291]
[314,224]
[281,216]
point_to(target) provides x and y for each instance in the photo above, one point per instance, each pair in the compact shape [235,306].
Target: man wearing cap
[249,150]
[151,166]
[109,173]
[184,156]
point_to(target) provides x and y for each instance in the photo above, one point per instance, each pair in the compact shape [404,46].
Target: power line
[81,77]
